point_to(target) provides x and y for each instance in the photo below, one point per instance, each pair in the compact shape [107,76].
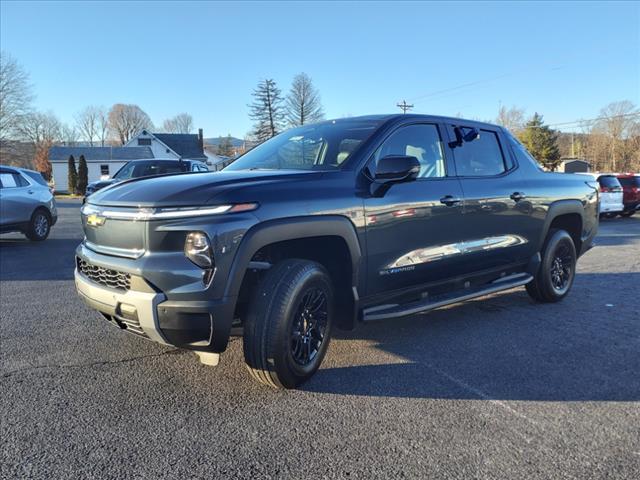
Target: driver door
[413,229]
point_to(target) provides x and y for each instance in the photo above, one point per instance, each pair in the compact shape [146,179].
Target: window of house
[421,141]
[481,157]
[144,141]
[104,169]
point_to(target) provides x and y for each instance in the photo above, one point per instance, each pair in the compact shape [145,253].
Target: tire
[554,278]
[39,226]
[278,333]
[610,215]
[628,213]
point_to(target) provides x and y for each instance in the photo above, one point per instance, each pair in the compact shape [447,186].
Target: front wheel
[288,325]
[39,226]
[557,269]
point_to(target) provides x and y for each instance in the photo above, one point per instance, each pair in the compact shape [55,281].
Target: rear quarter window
[37,176]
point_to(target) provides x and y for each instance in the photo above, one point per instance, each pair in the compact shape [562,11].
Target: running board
[385,312]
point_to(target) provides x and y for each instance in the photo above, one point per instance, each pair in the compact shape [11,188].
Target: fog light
[198,249]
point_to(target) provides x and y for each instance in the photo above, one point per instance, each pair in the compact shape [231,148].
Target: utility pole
[404,106]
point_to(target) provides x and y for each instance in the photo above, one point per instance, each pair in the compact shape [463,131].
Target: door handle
[450,200]
[517,196]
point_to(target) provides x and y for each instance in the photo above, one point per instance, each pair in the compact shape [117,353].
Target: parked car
[331,225]
[610,196]
[631,193]
[27,204]
[147,168]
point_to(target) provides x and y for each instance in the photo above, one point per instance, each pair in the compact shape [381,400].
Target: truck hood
[188,189]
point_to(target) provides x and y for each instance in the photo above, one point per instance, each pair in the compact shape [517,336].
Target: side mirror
[394,169]
[468,135]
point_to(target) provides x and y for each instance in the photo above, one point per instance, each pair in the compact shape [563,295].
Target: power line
[404,106]
[588,120]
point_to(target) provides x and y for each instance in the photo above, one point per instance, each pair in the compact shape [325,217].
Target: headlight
[198,249]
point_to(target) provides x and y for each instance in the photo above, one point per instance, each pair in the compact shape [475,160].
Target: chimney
[200,140]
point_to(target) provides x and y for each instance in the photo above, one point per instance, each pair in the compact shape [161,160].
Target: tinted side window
[481,157]
[420,141]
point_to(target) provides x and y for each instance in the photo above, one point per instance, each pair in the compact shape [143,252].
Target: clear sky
[564,60]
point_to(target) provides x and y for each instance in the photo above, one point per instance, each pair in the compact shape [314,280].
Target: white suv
[610,195]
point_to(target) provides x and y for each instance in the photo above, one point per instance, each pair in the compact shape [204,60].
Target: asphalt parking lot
[494,388]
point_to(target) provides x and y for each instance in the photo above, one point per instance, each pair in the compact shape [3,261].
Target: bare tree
[511,118]
[618,121]
[42,130]
[125,121]
[266,111]
[103,126]
[303,103]
[15,96]
[69,135]
[88,123]
[181,123]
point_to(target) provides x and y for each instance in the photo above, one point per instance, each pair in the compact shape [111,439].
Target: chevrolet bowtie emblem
[95,220]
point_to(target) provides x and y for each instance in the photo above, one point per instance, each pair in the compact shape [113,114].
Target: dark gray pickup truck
[331,225]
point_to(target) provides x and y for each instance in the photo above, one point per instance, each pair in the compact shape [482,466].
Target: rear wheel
[288,325]
[628,213]
[557,269]
[39,226]
[609,215]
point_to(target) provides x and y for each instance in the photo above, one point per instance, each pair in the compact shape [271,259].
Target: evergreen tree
[541,141]
[83,174]
[225,147]
[72,175]
[303,102]
[266,111]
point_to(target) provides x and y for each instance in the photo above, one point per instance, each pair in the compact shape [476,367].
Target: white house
[101,161]
[105,161]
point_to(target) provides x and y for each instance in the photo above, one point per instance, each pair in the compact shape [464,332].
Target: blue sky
[564,60]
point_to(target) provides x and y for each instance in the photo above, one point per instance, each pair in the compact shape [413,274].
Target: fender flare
[557,208]
[293,228]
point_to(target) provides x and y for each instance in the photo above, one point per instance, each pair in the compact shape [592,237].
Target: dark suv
[148,168]
[331,225]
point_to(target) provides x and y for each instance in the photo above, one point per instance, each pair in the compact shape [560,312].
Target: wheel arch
[567,215]
[301,237]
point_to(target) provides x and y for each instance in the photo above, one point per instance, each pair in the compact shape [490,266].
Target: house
[172,146]
[101,161]
[106,161]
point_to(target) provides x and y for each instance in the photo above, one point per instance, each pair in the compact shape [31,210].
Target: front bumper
[131,310]
[201,325]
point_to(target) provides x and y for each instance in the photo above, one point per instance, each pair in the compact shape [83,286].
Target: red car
[631,193]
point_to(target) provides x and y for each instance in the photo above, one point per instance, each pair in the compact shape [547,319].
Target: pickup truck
[326,226]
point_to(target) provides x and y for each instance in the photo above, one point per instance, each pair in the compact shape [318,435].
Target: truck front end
[160,273]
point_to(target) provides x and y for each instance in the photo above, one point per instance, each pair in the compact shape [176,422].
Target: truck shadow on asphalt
[504,348]
[53,259]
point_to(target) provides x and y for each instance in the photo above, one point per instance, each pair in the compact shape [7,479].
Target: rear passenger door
[17,201]
[498,217]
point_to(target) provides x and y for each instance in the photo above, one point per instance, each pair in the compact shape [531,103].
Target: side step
[385,312]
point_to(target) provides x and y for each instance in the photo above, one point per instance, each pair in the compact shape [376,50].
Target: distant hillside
[236,142]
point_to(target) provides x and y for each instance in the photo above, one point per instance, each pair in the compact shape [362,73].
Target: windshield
[325,146]
[146,169]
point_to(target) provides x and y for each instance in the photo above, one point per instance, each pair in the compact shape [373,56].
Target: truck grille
[104,276]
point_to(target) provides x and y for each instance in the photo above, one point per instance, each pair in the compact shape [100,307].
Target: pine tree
[541,141]
[72,175]
[83,174]
[266,111]
[225,147]
[303,102]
